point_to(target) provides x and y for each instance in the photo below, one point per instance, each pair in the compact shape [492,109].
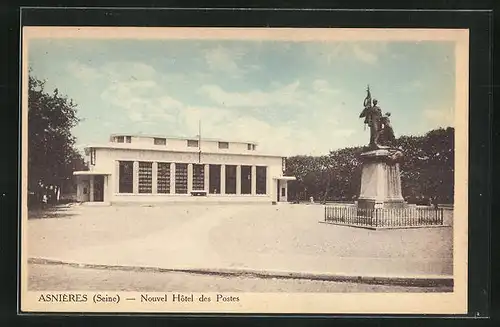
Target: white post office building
[151,169]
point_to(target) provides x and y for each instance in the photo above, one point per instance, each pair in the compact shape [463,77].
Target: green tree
[305,169]
[345,173]
[51,154]
[427,170]
[428,166]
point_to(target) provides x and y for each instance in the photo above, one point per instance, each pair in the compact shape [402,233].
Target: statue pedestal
[381,180]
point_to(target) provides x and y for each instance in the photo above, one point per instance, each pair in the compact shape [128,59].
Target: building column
[281,186]
[135,178]
[207,178]
[172,178]
[91,191]
[254,180]
[79,190]
[238,179]
[222,179]
[154,177]
[105,188]
[117,177]
[269,182]
[190,178]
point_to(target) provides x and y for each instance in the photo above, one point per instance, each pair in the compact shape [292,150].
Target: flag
[368,99]
[367,103]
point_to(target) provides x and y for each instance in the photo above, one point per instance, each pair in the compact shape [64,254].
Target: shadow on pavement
[51,212]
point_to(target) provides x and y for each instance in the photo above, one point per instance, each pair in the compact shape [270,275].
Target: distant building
[151,169]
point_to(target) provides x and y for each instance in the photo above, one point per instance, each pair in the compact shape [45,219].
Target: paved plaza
[282,238]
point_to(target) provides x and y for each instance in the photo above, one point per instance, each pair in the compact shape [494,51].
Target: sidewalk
[274,241]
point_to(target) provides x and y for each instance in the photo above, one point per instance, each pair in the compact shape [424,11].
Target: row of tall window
[181,178]
[145,177]
[198,177]
[164,175]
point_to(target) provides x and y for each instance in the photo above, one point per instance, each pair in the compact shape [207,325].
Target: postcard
[244,170]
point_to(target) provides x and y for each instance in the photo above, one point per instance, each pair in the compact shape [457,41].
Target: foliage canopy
[427,170]
[52,157]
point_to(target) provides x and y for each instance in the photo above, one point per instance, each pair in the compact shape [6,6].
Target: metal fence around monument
[385,217]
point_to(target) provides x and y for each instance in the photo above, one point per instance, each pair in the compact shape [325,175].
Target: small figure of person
[435,202]
[44,200]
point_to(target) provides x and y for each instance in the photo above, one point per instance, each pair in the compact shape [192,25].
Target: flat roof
[195,137]
[132,146]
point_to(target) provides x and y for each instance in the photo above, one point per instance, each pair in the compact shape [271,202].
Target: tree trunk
[326,190]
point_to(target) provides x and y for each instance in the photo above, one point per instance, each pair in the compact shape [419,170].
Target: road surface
[64,278]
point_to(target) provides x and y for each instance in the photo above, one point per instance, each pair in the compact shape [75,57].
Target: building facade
[150,169]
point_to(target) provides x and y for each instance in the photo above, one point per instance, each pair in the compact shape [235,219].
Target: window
[92,157]
[163,180]
[198,177]
[223,145]
[160,141]
[214,179]
[261,179]
[123,139]
[283,191]
[246,179]
[192,143]
[181,178]
[145,177]
[126,179]
[249,146]
[230,179]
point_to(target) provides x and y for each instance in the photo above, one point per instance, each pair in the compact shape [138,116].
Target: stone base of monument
[381,180]
[389,204]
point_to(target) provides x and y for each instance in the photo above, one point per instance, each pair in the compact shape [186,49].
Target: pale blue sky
[291,97]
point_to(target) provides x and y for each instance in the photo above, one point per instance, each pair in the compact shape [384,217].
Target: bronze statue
[381,131]
[386,133]
[373,115]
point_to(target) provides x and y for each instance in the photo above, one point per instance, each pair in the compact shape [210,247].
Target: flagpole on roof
[199,141]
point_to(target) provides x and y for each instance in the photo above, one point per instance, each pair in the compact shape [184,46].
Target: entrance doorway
[98,188]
